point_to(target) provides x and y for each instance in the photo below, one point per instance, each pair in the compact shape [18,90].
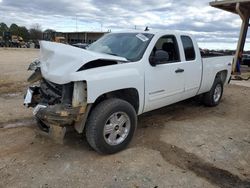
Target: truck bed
[211,65]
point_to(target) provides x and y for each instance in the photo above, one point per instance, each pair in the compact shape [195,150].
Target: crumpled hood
[58,60]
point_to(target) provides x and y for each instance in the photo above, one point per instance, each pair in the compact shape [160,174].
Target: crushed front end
[56,106]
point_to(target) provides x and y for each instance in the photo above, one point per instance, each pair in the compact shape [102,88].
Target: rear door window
[188,48]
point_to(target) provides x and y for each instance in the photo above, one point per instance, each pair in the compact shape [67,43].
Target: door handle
[179,70]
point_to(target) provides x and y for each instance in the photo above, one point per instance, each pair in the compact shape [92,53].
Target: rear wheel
[213,97]
[111,126]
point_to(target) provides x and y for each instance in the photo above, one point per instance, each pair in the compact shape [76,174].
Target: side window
[188,48]
[166,46]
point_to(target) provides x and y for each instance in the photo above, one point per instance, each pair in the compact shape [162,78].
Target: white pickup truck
[101,90]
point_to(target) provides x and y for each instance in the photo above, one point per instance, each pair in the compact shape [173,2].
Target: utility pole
[76,24]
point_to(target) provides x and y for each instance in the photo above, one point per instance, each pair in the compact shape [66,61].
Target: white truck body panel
[211,66]
[116,77]
[163,86]
[156,86]
[59,62]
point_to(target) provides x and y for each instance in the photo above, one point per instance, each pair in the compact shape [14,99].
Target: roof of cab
[154,32]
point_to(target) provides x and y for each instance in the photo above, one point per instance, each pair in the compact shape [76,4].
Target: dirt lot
[184,145]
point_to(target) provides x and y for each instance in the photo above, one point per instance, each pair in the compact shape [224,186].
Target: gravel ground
[183,145]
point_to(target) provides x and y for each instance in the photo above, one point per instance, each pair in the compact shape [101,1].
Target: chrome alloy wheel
[217,93]
[116,128]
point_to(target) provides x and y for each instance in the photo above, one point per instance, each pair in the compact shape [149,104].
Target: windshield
[128,45]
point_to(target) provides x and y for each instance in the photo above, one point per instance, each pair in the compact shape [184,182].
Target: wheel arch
[222,75]
[131,95]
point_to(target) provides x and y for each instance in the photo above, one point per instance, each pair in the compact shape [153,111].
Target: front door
[165,82]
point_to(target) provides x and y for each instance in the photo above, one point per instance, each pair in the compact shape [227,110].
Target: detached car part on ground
[101,90]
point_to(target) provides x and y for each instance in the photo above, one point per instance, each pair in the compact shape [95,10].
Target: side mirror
[160,57]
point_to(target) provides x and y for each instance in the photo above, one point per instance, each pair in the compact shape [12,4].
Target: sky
[213,28]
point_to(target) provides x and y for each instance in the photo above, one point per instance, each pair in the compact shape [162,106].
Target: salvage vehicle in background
[1,42]
[246,60]
[101,90]
[60,40]
[9,40]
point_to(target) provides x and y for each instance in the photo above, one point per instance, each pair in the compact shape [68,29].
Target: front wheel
[111,126]
[213,97]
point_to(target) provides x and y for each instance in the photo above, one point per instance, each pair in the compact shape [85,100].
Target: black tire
[97,120]
[209,99]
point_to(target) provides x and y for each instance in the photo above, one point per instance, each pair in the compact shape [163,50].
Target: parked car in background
[246,59]
[1,42]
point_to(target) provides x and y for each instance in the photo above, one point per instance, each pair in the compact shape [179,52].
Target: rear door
[192,64]
[164,83]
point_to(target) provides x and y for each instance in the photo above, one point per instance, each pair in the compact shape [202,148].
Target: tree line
[34,33]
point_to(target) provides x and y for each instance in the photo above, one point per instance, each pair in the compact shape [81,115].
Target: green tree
[24,33]
[14,29]
[49,31]
[49,34]
[3,28]
[36,32]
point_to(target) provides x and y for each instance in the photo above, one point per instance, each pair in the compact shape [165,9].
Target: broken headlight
[34,65]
